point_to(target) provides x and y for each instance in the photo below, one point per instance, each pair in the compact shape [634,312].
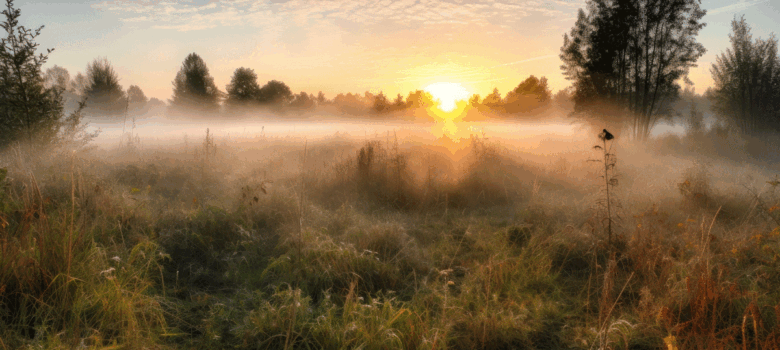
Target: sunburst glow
[448,94]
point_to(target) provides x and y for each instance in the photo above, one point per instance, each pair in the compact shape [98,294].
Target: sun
[448,94]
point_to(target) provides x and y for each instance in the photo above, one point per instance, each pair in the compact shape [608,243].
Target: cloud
[184,16]
[736,7]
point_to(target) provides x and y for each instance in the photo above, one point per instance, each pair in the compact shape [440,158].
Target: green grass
[386,251]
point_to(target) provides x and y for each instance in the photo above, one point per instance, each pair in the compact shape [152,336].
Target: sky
[343,46]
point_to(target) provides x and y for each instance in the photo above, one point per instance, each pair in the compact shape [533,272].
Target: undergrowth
[191,251]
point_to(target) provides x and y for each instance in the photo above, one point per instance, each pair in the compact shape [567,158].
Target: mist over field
[485,190]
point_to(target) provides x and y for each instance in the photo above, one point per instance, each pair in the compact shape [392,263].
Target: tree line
[626,59]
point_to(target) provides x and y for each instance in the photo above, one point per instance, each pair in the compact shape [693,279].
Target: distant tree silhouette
[399,103]
[79,84]
[243,89]
[349,103]
[194,88]
[321,100]
[625,57]
[275,93]
[104,94]
[57,77]
[136,95]
[419,99]
[747,81]
[381,104]
[28,110]
[302,101]
[475,100]
[528,95]
[493,100]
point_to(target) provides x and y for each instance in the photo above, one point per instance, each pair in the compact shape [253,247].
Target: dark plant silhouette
[103,92]
[610,180]
[624,58]
[194,88]
[27,108]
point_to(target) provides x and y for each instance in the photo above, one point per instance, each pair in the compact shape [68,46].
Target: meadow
[390,242]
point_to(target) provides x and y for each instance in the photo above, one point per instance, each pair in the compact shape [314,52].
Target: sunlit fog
[390,175]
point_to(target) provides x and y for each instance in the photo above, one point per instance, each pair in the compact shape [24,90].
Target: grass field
[275,243]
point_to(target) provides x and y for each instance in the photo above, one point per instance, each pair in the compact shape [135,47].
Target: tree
[321,100]
[626,56]
[243,88]
[275,93]
[194,88]
[381,104]
[78,84]
[57,77]
[474,100]
[135,95]
[103,92]
[350,103]
[419,99]
[302,101]
[528,95]
[747,81]
[28,110]
[492,100]
[398,103]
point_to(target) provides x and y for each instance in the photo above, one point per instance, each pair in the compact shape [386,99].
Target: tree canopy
[747,81]
[28,110]
[243,88]
[275,93]
[194,88]
[136,96]
[58,77]
[626,56]
[103,92]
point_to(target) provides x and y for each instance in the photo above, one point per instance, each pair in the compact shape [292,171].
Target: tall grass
[397,249]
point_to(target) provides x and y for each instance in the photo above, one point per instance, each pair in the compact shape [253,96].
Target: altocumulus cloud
[187,16]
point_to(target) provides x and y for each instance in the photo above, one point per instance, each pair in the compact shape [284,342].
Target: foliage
[243,88]
[625,58]
[136,96]
[73,135]
[380,103]
[528,95]
[58,77]
[747,81]
[103,92]
[79,84]
[194,88]
[302,101]
[275,93]
[28,109]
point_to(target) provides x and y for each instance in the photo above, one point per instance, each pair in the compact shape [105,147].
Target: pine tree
[747,81]
[194,88]
[28,110]
[104,94]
